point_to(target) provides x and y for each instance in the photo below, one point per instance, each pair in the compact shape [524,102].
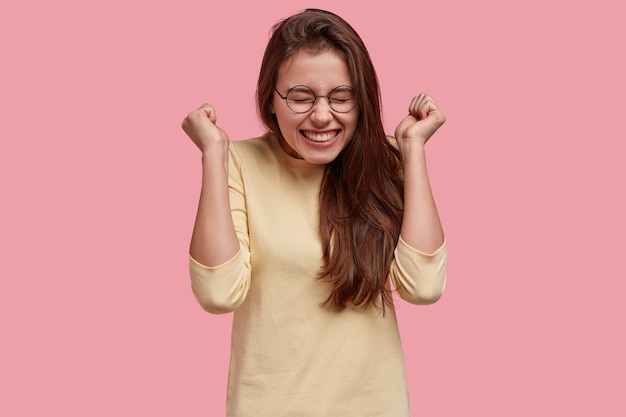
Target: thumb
[404,124]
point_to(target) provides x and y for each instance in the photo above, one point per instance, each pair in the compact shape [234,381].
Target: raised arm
[421,227]
[214,240]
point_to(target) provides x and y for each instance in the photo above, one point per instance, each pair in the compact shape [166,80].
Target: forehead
[319,69]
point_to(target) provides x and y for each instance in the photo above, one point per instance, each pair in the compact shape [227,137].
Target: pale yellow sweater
[290,355]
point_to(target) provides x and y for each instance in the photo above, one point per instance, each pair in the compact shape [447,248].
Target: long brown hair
[361,192]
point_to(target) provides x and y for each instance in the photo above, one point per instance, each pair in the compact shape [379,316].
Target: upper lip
[318,132]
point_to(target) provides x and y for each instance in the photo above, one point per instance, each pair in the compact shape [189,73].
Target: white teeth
[320,137]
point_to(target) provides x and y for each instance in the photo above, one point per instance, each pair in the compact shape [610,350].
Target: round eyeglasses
[301,99]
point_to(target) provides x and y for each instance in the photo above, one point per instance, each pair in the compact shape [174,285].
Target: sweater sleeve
[418,277]
[222,288]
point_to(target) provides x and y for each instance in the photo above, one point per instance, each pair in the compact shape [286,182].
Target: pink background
[99,189]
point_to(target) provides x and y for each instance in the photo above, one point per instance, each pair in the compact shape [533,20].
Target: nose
[321,113]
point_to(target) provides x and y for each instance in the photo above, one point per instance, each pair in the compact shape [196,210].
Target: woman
[299,231]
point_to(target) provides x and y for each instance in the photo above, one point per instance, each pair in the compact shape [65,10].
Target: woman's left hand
[422,122]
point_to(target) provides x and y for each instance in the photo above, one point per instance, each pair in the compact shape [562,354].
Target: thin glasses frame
[314,97]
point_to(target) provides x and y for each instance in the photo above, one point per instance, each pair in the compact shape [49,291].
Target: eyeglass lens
[301,99]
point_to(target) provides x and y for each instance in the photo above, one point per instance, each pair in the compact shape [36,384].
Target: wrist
[214,151]
[411,149]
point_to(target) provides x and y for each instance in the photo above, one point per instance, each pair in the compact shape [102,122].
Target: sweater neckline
[287,159]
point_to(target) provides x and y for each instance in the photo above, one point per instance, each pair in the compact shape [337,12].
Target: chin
[320,158]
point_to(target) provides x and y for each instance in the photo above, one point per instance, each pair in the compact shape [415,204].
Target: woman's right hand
[200,125]
[214,240]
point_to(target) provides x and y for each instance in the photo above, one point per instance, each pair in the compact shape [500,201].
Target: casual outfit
[291,355]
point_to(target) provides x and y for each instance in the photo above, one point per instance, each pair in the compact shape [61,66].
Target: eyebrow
[302,87]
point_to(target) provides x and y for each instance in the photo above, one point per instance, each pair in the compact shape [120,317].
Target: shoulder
[255,153]
[250,145]
[392,140]
[250,148]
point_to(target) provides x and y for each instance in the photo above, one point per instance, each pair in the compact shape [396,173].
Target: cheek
[288,119]
[354,122]
[287,124]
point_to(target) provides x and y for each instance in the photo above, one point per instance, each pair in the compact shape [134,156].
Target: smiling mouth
[320,136]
